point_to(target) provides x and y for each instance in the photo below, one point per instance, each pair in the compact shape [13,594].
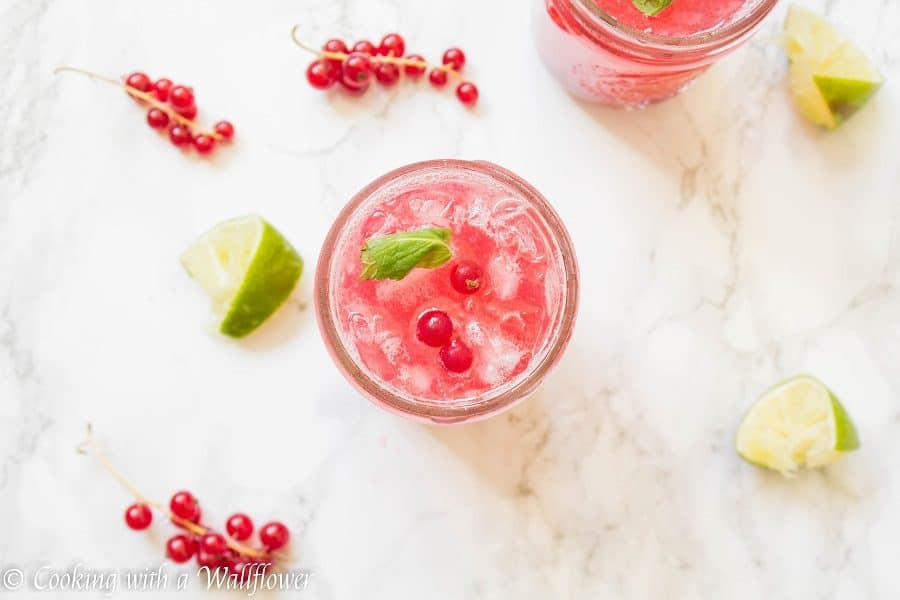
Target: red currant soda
[608,51]
[501,308]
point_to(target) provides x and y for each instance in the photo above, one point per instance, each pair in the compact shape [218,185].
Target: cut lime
[247,268]
[797,423]
[830,79]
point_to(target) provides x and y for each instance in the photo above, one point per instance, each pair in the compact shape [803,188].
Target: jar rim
[432,411]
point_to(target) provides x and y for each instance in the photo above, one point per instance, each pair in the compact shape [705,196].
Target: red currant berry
[225,129]
[336,45]
[188,112]
[387,74]
[455,58]
[161,88]
[183,504]
[204,144]
[467,93]
[139,81]
[357,70]
[437,77]
[364,47]
[466,277]
[392,45]
[181,96]
[157,119]
[320,75]
[180,548]
[274,535]
[138,516]
[414,70]
[180,135]
[195,518]
[210,561]
[239,526]
[456,357]
[434,328]
[213,543]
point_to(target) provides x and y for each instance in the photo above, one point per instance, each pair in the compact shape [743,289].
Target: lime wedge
[797,423]
[247,268]
[830,79]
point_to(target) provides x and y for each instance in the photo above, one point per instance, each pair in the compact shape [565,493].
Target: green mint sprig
[651,8]
[394,256]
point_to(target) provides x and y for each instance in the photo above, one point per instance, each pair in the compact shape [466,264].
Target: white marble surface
[724,245]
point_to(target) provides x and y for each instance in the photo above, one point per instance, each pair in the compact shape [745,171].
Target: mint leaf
[651,8]
[394,256]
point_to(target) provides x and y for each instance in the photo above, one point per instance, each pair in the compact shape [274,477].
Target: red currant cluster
[179,112]
[435,328]
[212,549]
[172,107]
[353,68]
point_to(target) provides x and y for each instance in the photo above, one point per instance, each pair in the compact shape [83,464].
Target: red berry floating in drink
[434,328]
[172,108]
[211,549]
[456,357]
[353,68]
[466,277]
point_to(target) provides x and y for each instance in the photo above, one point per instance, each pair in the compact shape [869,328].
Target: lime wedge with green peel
[798,423]
[247,268]
[830,79]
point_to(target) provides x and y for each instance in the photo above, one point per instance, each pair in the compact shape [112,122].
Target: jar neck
[583,19]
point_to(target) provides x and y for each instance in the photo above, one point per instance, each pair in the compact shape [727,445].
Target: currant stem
[146,97]
[90,446]
[393,60]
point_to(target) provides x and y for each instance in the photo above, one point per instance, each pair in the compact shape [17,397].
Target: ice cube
[474,333]
[432,210]
[379,223]
[417,378]
[497,358]
[506,209]
[513,227]
[391,345]
[504,275]
[522,238]
[478,214]
[359,326]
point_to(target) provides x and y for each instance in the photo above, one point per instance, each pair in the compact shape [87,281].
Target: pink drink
[610,52]
[516,324]
[681,19]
